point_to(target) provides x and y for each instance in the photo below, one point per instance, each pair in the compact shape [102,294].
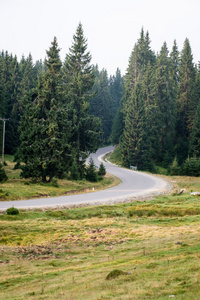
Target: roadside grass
[133,250]
[115,156]
[18,189]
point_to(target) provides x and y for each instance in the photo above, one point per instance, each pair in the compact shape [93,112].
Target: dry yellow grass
[67,254]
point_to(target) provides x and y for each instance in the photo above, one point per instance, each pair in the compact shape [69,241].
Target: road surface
[133,185]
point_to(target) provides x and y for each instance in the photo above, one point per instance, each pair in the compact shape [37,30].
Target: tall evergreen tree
[195,135]
[174,65]
[135,142]
[166,102]
[139,75]
[78,80]
[116,90]
[102,104]
[151,110]
[186,101]
[116,84]
[44,129]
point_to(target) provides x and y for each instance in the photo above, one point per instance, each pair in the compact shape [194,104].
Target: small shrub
[54,183]
[17,166]
[3,194]
[115,273]
[27,183]
[12,211]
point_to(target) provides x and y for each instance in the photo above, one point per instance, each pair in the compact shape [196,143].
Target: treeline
[108,92]
[58,113]
[161,109]
[16,79]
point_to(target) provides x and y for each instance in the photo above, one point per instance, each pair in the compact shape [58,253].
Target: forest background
[59,112]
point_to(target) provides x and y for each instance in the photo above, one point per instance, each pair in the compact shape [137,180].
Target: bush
[3,194]
[12,211]
[3,176]
[54,183]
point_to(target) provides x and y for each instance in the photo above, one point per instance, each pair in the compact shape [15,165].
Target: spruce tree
[174,65]
[116,90]
[44,128]
[102,104]
[135,142]
[186,104]
[195,135]
[116,84]
[78,80]
[166,103]
[117,126]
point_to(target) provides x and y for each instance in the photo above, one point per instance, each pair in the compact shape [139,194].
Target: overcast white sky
[111,27]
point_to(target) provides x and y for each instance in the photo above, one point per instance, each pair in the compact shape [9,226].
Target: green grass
[137,250]
[17,189]
[115,156]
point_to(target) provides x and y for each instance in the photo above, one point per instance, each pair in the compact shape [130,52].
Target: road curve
[133,185]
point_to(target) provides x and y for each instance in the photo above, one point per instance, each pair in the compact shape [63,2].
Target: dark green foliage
[195,134]
[74,171]
[12,211]
[78,80]
[191,167]
[117,127]
[54,110]
[166,104]
[135,143]
[186,103]
[3,176]
[174,168]
[102,170]
[116,87]
[44,129]
[101,105]
[91,172]
[164,123]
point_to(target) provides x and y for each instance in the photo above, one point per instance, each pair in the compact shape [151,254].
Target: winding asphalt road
[133,185]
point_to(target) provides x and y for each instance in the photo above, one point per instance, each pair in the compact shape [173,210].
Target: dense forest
[59,112]
[161,109]
[56,112]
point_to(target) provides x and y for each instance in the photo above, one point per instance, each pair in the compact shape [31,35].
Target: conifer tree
[186,104]
[166,103]
[135,142]
[78,80]
[117,126]
[195,135]
[116,90]
[44,128]
[102,105]
[174,65]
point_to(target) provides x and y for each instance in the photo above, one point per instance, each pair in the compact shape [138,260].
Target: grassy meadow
[135,250]
[139,250]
